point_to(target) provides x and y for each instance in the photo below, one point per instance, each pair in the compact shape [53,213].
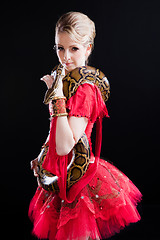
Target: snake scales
[81,151]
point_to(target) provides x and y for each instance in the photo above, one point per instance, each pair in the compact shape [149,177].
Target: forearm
[64,136]
[47,139]
[68,132]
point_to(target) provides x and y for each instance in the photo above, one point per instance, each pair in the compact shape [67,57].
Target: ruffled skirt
[104,207]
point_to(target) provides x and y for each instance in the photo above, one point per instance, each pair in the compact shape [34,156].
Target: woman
[104,200]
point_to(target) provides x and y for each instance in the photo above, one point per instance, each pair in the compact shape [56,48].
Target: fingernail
[41,78]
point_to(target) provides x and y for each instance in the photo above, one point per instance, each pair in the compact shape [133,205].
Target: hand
[59,90]
[48,79]
[34,166]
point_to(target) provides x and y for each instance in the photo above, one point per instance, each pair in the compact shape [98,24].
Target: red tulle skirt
[104,207]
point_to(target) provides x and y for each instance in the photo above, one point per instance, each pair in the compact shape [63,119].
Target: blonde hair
[79,26]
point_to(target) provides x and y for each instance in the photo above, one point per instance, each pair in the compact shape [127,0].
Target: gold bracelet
[58,97]
[59,107]
[59,115]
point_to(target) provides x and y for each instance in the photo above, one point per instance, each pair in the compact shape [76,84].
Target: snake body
[81,151]
[75,170]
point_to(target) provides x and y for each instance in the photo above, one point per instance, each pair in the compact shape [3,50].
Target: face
[70,53]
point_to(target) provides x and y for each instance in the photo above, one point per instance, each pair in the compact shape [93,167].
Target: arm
[68,132]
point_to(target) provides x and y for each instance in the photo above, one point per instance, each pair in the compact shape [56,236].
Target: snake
[81,151]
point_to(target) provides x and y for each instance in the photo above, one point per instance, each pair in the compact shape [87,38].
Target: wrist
[59,106]
[59,93]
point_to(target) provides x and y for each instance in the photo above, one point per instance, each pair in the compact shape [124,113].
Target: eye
[59,48]
[75,49]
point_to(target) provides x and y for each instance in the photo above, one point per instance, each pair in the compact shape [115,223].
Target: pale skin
[69,129]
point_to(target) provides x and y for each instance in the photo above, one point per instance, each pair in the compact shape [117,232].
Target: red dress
[101,203]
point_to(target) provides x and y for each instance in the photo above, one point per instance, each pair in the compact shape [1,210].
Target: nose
[66,55]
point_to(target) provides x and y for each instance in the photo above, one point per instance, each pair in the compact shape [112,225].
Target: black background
[127,51]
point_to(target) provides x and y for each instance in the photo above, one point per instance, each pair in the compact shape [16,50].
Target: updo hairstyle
[79,26]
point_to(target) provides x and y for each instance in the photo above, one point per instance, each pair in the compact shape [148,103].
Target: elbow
[62,151]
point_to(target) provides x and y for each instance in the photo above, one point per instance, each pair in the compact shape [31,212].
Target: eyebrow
[63,46]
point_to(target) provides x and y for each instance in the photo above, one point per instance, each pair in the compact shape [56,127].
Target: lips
[68,64]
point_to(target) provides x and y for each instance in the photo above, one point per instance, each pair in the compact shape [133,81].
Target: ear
[88,50]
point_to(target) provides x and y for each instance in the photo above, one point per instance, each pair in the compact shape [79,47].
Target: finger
[35,171]
[43,78]
[46,77]
[39,184]
[36,175]
[47,81]
[32,165]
